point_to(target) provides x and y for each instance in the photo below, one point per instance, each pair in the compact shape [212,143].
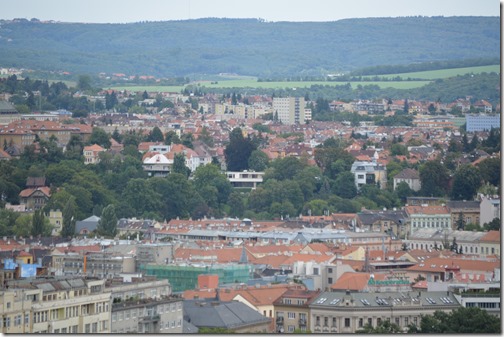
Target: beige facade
[292,311]
[103,265]
[290,110]
[56,221]
[56,306]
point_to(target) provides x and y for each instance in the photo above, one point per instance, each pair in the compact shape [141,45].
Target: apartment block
[290,110]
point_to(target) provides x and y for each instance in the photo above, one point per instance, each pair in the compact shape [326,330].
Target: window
[286,301]
[27,318]
[397,321]
[361,322]
[95,327]
[64,330]
[347,322]
[75,328]
[329,270]
[290,328]
[291,315]
[315,271]
[317,320]
[87,328]
[114,316]
[329,280]
[334,321]
[415,320]
[378,321]
[326,321]
[370,321]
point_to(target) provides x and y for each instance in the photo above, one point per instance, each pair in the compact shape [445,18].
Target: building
[423,216]
[292,311]
[234,316]
[148,315]
[87,225]
[138,288]
[369,173]
[56,221]
[91,154]
[97,264]
[245,179]
[346,312]
[410,177]
[183,277]
[468,210]
[489,209]
[34,198]
[482,122]
[57,305]
[290,110]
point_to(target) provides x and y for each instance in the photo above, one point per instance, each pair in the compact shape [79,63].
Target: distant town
[186,212]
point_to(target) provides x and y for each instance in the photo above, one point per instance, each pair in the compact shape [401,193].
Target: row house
[345,312]
[292,310]
[469,211]
[423,216]
[467,242]
[68,306]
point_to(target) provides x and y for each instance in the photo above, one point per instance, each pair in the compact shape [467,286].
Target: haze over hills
[245,46]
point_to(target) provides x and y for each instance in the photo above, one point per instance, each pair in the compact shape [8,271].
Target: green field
[445,73]
[252,83]
[272,85]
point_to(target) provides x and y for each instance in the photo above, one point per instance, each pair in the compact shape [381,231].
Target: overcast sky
[123,11]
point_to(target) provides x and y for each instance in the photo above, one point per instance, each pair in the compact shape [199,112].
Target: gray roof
[90,224]
[408,174]
[189,328]
[458,204]
[216,314]
[439,235]
[371,217]
[338,300]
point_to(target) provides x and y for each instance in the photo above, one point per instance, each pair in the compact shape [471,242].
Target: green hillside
[245,46]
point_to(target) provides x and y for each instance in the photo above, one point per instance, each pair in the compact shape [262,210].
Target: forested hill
[244,46]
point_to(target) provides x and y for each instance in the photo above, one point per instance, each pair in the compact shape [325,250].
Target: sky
[125,11]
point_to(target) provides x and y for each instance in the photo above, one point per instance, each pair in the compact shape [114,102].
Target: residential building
[482,122]
[410,177]
[96,264]
[490,243]
[157,253]
[292,311]
[87,225]
[386,221]
[490,301]
[138,288]
[245,179]
[234,316]
[290,110]
[34,198]
[490,208]
[468,210]
[369,173]
[424,216]
[61,305]
[148,315]
[346,312]
[91,154]
[56,220]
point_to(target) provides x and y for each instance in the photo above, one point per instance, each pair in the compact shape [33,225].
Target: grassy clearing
[444,73]
[273,85]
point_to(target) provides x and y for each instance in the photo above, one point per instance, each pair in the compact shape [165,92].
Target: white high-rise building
[291,110]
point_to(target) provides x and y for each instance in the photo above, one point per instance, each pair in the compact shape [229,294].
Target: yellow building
[66,305]
[56,221]
[292,311]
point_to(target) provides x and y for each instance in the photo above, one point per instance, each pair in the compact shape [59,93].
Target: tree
[490,170]
[84,83]
[461,320]
[344,185]
[100,137]
[460,221]
[466,181]
[258,161]
[155,135]
[238,151]
[205,137]
[37,223]
[403,191]
[107,225]
[236,202]
[384,327]
[434,179]
[179,165]
[68,228]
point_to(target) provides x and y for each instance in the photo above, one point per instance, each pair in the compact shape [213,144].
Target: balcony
[153,318]
[302,322]
[279,320]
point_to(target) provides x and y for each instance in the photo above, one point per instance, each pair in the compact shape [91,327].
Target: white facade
[369,173]
[489,209]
